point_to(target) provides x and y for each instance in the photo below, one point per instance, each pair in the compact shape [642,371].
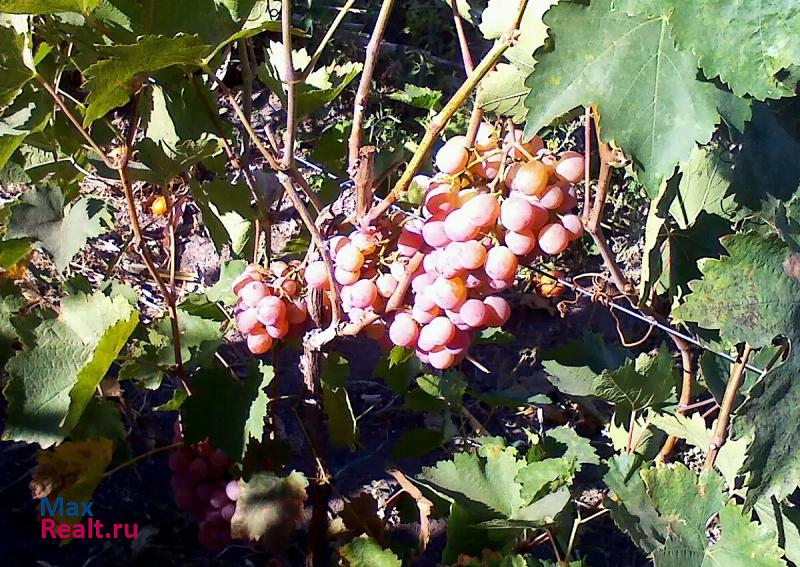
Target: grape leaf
[478,485]
[769,414]
[62,230]
[111,81]
[704,186]
[649,98]
[548,475]
[753,40]
[72,471]
[672,254]
[563,442]
[766,166]
[13,71]
[342,426]
[51,384]
[503,90]
[685,500]
[783,521]
[573,366]
[416,442]
[222,291]
[418,97]
[269,507]
[747,295]
[38,7]
[11,301]
[227,214]
[631,507]
[315,91]
[731,456]
[230,424]
[366,552]
[100,420]
[743,543]
[646,382]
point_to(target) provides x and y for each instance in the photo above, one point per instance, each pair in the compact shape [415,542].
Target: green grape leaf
[673,254]
[766,167]
[317,90]
[100,420]
[449,387]
[13,251]
[200,338]
[685,500]
[754,40]
[731,456]
[111,81]
[631,507]
[644,383]
[503,90]
[416,442]
[11,301]
[770,415]
[784,521]
[548,475]
[565,443]
[573,366]
[418,97]
[39,7]
[52,383]
[650,100]
[269,508]
[222,291]
[227,214]
[704,186]
[342,426]
[229,425]
[13,71]
[749,295]
[62,230]
[366,552]
[481,485]
[743,543]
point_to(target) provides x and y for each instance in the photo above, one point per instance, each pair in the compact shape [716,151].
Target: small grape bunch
[203,487]
[269,306]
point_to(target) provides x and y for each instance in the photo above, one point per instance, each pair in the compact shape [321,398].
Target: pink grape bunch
[204,488]
[488,209]
[363,289]
[269,306]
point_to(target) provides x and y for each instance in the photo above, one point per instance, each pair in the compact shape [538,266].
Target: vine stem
[289,80]
[463,44]
[327,38]
[443,117]
[593,224]
[726,408]
[362,94]
[138,458]
[122,170]
[74,121]
[587,163]
[686,393]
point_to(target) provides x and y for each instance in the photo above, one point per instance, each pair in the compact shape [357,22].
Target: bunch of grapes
[268,306]
[488,209]
[203,487]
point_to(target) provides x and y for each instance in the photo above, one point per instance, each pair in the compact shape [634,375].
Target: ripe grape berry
[489,208]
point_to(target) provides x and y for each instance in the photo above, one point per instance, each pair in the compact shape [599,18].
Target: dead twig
[362,94]
[423,504]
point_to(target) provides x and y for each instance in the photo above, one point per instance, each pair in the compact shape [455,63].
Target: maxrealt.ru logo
[68,510]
